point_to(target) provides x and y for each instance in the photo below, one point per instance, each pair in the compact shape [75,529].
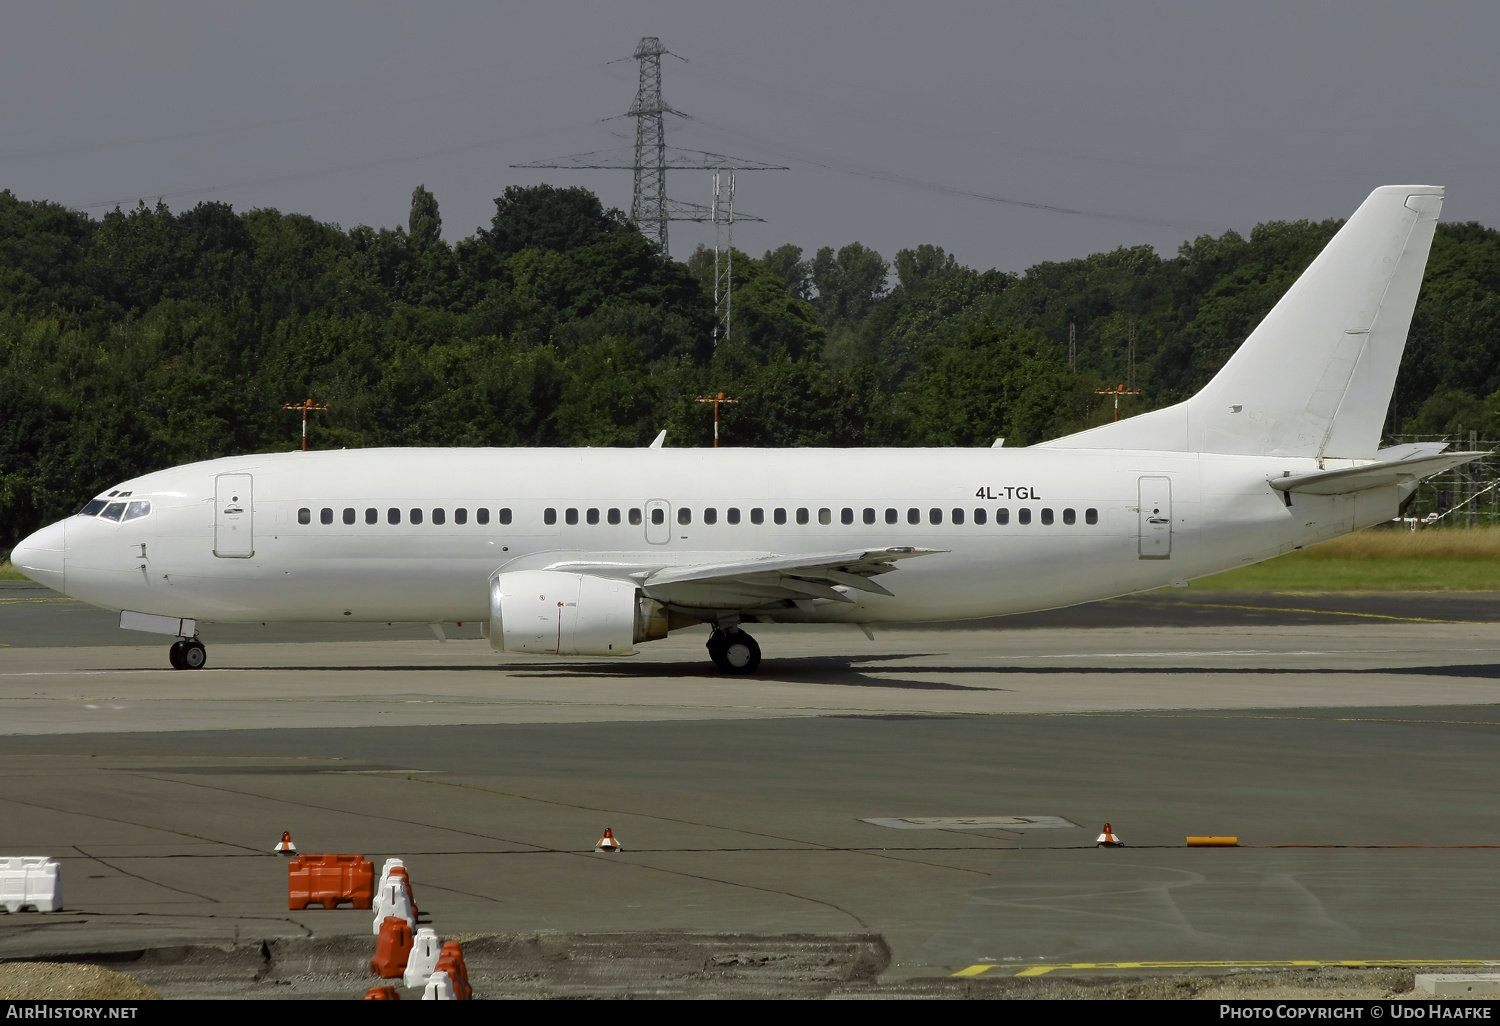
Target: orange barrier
[329,880]
[1213,842]
[451,961]
[392,948]
[386,993]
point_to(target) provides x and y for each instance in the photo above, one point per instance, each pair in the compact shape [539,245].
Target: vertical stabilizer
[1315,377]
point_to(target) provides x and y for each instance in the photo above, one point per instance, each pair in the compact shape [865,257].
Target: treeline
[151,338]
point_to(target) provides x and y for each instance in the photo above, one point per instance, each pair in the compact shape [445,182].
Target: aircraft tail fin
[1315,377]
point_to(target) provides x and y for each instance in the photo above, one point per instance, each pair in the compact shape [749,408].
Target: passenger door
[1155,518]
[234,513]
[658,521]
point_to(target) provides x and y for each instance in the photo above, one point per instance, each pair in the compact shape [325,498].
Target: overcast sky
[1160,121]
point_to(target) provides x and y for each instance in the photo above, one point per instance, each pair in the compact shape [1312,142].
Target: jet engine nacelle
[552,612]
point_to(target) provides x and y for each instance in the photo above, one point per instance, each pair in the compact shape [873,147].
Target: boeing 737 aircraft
[594,551]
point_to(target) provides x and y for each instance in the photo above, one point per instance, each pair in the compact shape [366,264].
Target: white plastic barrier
[439,988]
[393,899]
[30,881]
[425,949]
[385,872]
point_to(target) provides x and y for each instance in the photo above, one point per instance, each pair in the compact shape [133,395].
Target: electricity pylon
[650,208]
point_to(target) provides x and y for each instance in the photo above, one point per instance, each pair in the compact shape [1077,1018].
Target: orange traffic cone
[1108,839]
[608,842]
[286,847]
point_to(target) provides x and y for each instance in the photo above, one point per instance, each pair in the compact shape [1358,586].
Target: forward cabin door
[1156,518]
[234,535]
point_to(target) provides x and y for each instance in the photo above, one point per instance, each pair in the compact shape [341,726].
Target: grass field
[1379,559]
[9,573]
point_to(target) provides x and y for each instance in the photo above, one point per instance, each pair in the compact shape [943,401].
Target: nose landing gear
[187,654]
[733,651]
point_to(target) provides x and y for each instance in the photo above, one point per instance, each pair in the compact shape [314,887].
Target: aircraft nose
[40,556]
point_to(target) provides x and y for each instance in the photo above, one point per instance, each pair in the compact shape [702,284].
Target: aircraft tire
[717,643]
[194,655]
[741,653]
[174,655]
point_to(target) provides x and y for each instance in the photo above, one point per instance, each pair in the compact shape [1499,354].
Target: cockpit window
[137,509]
[92,509]
[114,511]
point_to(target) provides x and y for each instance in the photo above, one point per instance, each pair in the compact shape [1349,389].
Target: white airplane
[594,551]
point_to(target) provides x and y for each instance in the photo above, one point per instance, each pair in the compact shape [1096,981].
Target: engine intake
[551,612]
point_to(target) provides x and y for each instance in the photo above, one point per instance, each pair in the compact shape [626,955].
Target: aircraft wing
[1373,475]
[748,583]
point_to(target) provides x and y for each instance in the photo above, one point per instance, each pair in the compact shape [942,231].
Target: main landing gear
[187,654]
[733,651]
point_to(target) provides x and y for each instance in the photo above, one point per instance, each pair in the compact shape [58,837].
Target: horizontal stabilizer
[1373,475]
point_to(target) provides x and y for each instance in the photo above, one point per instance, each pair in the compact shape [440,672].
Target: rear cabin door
[1156,518]
[234,536]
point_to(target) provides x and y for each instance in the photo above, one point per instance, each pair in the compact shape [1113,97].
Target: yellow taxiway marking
[1367,963]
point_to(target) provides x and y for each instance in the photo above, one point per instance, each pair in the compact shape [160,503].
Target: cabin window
[825,516]
[549,516]
[349,514]
[869,515]
[935,516]
[778,515]
[1070,517]
[416,516]
[114,511]
[304,515]
[481,516]
[1047,516]
[614,516]
[571,516]
[958,516]
[439,516]
[732,514]
[658,516]
[1023,515]
[802,515]
[460,516]
[325,515]
[979,515]
[757,515]
[92,508]
[1002,516]
[1091,516]
[635,518]
[913,516]
[684,515]
[372,515]
[710,516]
[846,515]
[137,509]
[505,516]
[393,516]
[592,516]
[891,516]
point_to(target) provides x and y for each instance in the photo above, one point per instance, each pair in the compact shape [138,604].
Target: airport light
[1117,391]
[305,406]
[717,400]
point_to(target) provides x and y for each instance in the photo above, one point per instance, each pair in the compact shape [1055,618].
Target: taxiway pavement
[1355,758]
